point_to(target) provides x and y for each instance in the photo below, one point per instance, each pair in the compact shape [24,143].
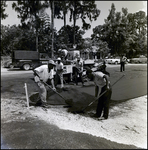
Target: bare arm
[107,81]
[52,83]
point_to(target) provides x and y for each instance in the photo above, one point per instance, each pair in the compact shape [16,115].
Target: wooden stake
[27,95]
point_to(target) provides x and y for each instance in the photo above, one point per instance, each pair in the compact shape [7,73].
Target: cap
[58,58]
[101,66]
[51,62]
[93,69]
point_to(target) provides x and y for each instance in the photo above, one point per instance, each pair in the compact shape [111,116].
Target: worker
[123,60]
[78,71]
[59,72]
[102,84]
[41,75]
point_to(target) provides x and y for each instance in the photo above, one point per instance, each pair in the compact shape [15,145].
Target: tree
[16,38]
[83,10]
[66,40]
[44,32]
[124,33]
[51,4]
[137,34]
[61,9]
[3,14]
[29,10]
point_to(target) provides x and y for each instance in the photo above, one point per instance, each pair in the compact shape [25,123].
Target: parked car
[113,60]
[140,59]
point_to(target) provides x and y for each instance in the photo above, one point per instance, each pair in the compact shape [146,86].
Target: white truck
[70,63]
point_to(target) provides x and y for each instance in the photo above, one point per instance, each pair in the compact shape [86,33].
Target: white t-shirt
[43,73]
[123,59]
[59,66]
[98,79]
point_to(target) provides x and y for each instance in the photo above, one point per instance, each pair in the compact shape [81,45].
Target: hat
[94,69]
[58,58]
[101,66]
[51,62]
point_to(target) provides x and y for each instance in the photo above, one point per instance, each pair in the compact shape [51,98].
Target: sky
[103,6]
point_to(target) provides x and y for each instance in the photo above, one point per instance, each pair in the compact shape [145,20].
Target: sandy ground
[128,126]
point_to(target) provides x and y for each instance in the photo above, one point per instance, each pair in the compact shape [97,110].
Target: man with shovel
[102,85]
[41,75]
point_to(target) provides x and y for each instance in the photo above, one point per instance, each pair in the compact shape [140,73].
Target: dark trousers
[103,103]
[77,72]
[122,66]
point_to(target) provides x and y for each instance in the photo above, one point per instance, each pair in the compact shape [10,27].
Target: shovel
[82,111]
[67,101]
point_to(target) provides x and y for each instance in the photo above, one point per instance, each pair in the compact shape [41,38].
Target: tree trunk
[37,41]
[36,28]
[74,19]
[64,19]
[52,22]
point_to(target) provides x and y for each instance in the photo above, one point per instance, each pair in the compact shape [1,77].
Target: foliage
[124,32]
[29,11]
[65,39]
[3,14]
[61,9]
[83,10]
[14,38]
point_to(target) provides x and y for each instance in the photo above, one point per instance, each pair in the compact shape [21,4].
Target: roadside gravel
[128,126]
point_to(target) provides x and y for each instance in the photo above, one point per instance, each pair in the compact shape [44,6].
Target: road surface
[35,133]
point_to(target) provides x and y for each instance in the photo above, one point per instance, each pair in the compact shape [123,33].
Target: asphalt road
[133,84]
[40,135]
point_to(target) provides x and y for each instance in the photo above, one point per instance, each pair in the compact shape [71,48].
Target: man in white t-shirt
[102,84]
[123,60]
[59,72]
[78,70]
[43,73]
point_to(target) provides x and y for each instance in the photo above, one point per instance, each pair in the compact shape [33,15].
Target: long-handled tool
[67,101]
[82,111]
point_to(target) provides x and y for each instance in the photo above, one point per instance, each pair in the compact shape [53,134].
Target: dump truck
[26,60]
[70,61]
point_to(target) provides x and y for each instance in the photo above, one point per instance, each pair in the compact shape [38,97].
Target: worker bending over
[102,84]
[41,75]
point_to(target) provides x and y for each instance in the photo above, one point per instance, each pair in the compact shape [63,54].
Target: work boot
[38,103]
[44,104]
[105,117]
[95,116]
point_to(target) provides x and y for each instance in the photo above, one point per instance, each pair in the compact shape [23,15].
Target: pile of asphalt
[72,98]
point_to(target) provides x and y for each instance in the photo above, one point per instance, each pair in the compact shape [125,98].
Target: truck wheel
[26,66]
[116,62]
